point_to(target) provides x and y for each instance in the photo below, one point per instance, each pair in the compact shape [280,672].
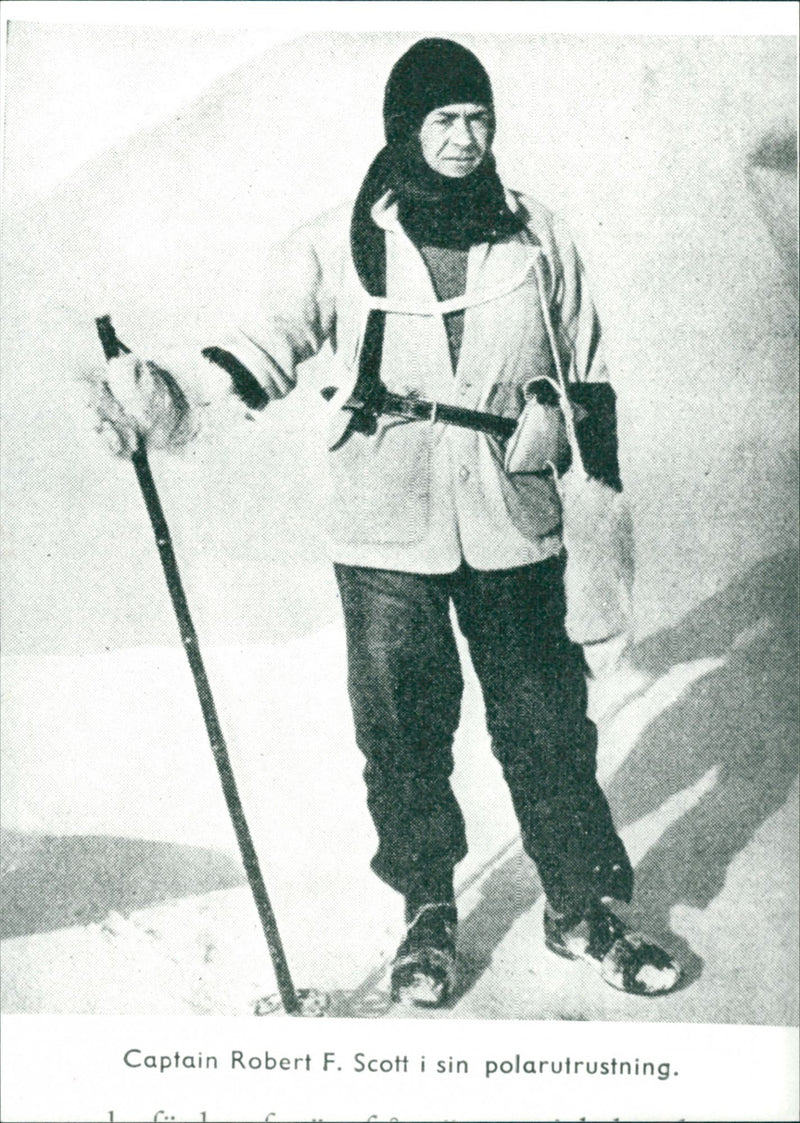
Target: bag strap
[559,386]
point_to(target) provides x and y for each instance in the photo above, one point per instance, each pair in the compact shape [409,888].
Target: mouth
[461,164]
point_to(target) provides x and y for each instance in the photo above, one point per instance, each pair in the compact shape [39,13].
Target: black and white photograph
[400,561]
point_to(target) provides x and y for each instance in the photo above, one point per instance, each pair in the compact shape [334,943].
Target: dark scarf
[434,210]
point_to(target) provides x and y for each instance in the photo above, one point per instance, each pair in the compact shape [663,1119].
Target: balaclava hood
[433,209]
[433,73]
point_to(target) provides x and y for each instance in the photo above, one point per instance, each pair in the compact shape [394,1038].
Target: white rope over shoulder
[454,304]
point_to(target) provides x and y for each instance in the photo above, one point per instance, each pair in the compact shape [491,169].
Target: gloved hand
[133,398]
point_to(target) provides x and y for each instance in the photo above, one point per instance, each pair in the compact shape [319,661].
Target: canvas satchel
[596,518]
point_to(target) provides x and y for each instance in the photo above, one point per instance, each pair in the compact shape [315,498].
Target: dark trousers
[405,687]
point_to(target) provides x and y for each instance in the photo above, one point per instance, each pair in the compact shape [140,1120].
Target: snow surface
[111,747]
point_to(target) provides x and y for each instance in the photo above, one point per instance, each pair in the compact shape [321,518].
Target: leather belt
[383,402]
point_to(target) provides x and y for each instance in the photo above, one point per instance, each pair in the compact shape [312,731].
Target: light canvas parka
[423,496]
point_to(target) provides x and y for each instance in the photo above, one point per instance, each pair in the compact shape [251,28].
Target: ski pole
[112,347]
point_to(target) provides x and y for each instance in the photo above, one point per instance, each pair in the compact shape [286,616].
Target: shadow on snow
[52,881]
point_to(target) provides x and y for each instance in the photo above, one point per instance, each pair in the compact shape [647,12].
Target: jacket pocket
[380,485]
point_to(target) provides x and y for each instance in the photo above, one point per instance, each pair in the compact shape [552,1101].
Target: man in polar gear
[427,287]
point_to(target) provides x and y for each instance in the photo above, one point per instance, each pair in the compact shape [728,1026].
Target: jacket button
[463,474]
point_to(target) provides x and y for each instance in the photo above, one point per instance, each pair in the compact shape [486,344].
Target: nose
[462,134]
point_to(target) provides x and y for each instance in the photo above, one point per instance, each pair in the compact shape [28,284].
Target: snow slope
[696,753]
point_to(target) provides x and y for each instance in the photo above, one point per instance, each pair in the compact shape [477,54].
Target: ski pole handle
[112,347]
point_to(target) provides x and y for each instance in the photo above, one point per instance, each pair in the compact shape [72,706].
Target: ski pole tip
[311,1003]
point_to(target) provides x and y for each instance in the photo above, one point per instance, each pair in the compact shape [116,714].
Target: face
[455,139]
